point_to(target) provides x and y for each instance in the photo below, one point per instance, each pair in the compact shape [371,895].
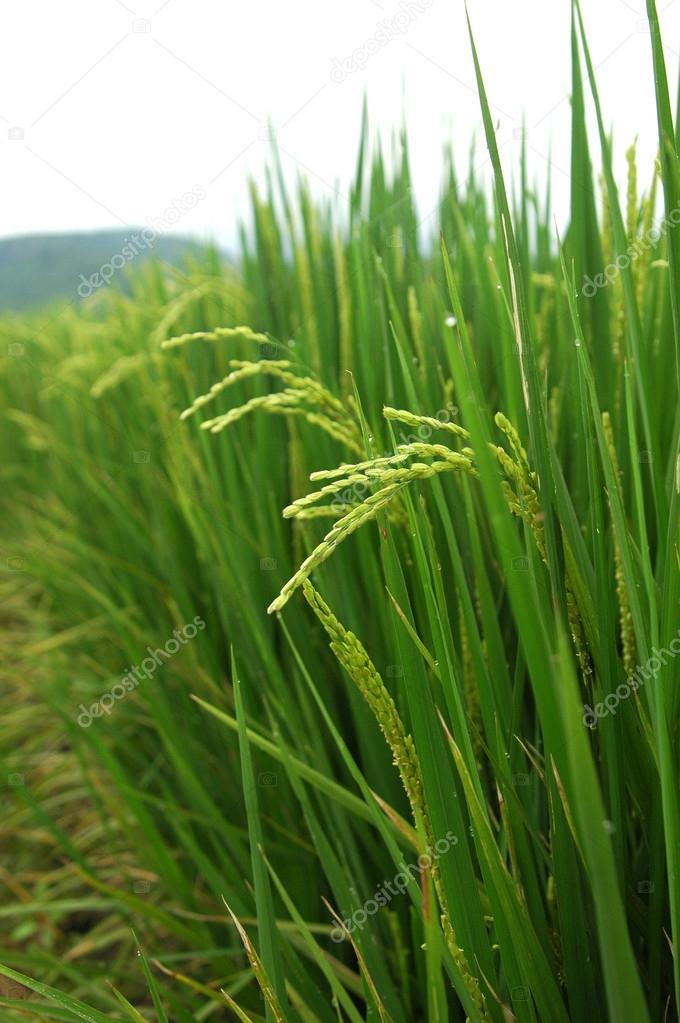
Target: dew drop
[436,664]
[608,827]
[577,342]
[450,321]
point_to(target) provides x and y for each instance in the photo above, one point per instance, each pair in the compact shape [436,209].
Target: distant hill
[35,269]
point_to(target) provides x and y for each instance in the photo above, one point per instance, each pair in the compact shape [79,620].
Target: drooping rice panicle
[279,401]
[523,501]
[335,487]
[358,665]
[363,513]
[217,334]
[380,474]
[352,655]
[241,371]
[410,419]
[280,369]
[327,411]
[632,210]
[121,370]
[644,259]
[504,424]
[288,402]
[347,468]
[319,511]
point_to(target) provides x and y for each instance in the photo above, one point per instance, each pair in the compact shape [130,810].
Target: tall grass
[427,791]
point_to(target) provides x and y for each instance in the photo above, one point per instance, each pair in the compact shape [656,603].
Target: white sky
[109,109]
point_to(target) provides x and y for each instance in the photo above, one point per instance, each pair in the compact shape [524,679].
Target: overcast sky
[111,109]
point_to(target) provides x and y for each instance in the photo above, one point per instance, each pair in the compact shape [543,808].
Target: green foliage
[466,807]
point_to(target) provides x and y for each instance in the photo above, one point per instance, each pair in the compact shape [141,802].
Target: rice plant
[421,760]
